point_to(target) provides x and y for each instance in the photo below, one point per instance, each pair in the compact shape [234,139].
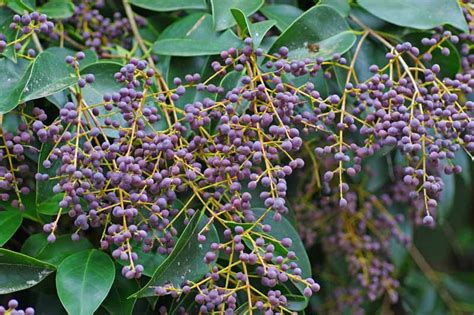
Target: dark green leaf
[83,281]
[117,302]
[54,253]
[104,83]
[10,221]
[48,75]
[284,229]
[450,65]
[186,260]
[256,31]
[222,16]
[342,6]
[417,14]
[169,5]
[447,198]
[283,14]
[19,272]
[194,36]
[50,206]
[12,78]
[58,9]
[322,26]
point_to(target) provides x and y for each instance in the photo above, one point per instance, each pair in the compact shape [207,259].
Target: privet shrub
[184,157]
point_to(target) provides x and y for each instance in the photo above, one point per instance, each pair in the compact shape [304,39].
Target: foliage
[235,157]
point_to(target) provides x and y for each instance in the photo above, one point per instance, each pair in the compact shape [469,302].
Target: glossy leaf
[186,260]
[19,272]
[10,221]
[283,14]
[284,229]
[169,5]
[423,15]
[12,78]
[58,9]
[117,302]
[321,26]
[104,83]
[194,36]
[256,31]
[83,280]
[48,75]
[222,15]
[54,253]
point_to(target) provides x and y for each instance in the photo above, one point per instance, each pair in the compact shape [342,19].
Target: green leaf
[169,5]
[185,47]
[342,6]
[194,36]
[117,302]
[83,280]
[417,14]
[461,287]
[48,75]
[104,83]
[322,26]
[222,16]
[50,206]
[256,31]
[447,198]
[10,221]
[19,6]
[283,14]
[149,261]
[12,78]
[54,253]
[19,272]
[186,260]
[284,229]
[450,65]
[58,9]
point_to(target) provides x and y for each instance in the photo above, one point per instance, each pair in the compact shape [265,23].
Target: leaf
[461,287]
[449,65]
[188,47]
[447,198]
[48,75]
[50,206]
[418,14]
[83,280]
[10,221]
[12,82]
[54,253]
[169,5]
[117,302]
[149,261]
[104,83]
[342,6]
[57,9]
[194,36]
[256,31]
[464,161]
[186,260]
[19,272]
[221,15]
[44,189]
[284,229]
[283,14]
[322,26]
